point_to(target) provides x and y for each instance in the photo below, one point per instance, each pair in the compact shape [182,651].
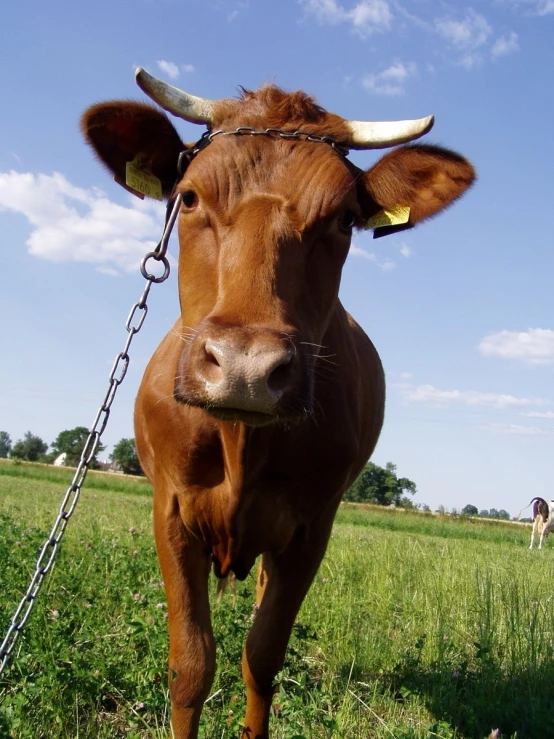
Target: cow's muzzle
[239,374]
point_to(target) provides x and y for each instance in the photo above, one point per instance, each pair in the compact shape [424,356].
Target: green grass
[428,524]
[416,626]
[95,480]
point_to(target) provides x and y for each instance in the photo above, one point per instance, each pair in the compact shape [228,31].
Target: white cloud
[73,224]
[357,251]
[188,68]
[236,11]
[386,264]
[473,398]
[169,68]
[535,346]
[110,271]
[406,250]
[466,36]
[371,15]
[515,429]
[545,7]
[540,414]
[471,60]
[366,17]
[504,46]
[326,11]
[470,33]
[540,7]
[417,20]
[391,80]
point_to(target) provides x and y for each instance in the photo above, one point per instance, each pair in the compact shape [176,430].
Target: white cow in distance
[543,519]
[60,460]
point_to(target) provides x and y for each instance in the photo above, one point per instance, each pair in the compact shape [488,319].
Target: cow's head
[264,229]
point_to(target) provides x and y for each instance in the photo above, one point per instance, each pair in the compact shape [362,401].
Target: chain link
[119,370]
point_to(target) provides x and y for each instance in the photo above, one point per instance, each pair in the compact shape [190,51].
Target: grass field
[415,627]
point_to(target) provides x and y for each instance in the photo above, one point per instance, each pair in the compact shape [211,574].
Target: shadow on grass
[473,702]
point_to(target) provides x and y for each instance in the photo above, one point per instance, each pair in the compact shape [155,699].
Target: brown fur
[262,404]
[427,178]
[117,133]
[271,107]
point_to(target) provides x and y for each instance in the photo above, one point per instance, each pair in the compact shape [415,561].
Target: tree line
[471,510]
[71,442]
[377,485]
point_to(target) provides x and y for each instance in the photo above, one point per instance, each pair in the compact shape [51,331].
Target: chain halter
[274,133]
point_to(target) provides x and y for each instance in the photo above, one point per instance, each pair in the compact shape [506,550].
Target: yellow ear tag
[142,180]
[395,217]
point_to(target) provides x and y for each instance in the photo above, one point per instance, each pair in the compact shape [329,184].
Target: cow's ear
[413,183]
[121,131]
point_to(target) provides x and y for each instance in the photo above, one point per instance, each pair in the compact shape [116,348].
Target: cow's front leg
[283,582]
[185,568]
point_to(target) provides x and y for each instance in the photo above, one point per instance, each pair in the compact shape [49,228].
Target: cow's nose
[252,377]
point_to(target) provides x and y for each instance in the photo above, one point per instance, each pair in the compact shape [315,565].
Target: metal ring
[211,135]
[152,278]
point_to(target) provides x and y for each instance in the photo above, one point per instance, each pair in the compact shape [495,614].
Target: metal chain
[50,547]
[276,133]
[119,370]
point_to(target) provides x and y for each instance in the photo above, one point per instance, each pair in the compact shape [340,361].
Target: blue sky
[460,309]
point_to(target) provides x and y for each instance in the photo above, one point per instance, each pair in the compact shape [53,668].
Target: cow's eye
[190,199]
[347,221]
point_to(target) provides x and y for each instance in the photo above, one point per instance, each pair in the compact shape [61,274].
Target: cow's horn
[178,102]
[379,135]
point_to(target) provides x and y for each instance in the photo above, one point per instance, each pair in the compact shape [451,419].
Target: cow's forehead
[311,176]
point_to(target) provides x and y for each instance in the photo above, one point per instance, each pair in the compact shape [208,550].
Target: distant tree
[30,448]
[5,445]
[494,513]
[125,455]
[470,510]
[380,485]
[72,442]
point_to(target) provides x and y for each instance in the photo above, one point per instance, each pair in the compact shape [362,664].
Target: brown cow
[263,403]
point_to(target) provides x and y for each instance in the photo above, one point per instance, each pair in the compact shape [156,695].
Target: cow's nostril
[212,369]
[211,358]
[279,378]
